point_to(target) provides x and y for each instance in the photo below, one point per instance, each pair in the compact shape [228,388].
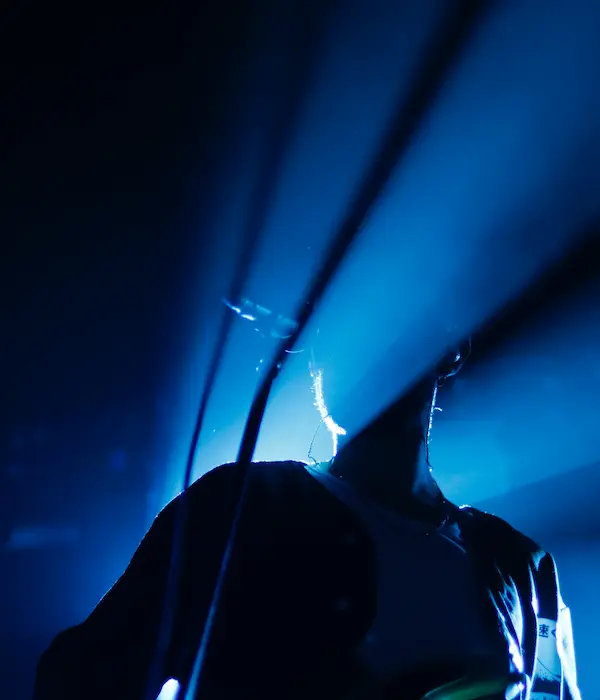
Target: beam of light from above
[356,89]
[496,187]
[417,96]
[499,180]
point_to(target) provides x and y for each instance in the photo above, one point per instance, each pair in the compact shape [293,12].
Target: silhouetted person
[351,579]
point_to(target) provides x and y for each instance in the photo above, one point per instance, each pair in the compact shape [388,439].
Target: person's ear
[454,361]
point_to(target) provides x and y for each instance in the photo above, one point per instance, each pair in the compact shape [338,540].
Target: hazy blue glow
[499,181]
[46,536]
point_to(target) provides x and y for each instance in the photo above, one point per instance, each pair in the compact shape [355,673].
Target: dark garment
[299,598]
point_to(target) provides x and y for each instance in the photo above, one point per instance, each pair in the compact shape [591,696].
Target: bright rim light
[169,691]
[334,429]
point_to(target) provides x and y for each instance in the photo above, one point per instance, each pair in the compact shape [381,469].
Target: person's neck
[395,473]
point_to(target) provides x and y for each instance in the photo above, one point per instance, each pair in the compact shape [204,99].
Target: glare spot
[169,691]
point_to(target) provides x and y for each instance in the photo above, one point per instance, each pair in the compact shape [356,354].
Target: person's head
[389,458]
[406,422]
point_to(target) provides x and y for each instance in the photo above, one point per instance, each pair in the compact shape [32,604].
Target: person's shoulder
[211,496]
[219,479]
[512,547]
[223,473]
[499,532]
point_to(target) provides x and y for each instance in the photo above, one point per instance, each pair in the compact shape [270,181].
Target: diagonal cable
[454,30]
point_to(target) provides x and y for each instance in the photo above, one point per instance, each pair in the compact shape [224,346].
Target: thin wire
[312,444]
[297,82]
[265,188]
[454,30]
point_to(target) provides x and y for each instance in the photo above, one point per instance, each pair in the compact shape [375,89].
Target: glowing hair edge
[334,429]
